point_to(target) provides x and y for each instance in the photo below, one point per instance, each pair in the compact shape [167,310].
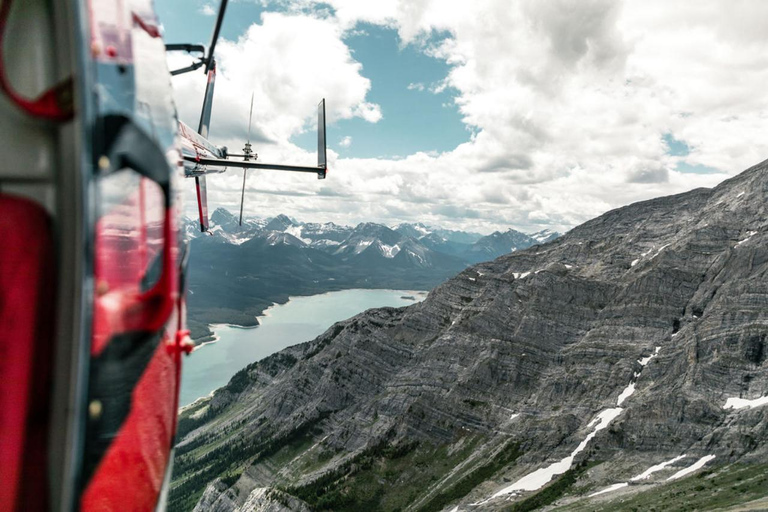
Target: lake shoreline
[301,318]
[282,300]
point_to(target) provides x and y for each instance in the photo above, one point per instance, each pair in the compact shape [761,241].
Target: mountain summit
[607,365]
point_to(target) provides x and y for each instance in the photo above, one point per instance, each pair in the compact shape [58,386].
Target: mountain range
[348,241]
[621,366]
[238,271]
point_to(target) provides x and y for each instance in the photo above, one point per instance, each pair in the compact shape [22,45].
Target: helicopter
[92,286]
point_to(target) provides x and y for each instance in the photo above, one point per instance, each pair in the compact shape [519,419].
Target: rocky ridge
[624,353]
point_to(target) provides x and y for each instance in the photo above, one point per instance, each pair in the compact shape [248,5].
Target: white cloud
[207,10]
[415,86]
[368,111]
[567,102]
[289,63]
[345,142]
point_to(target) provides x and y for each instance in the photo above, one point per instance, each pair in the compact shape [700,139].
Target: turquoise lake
[300,319]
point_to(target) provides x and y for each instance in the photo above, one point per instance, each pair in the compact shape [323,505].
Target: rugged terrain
[238,271]
[627,356]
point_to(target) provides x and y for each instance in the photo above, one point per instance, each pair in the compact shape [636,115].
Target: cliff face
[580,363]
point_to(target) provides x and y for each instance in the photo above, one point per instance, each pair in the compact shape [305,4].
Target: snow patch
[739,195]
[520,275]
[362,245]
[297,231]
[645,360]
[690,469]
[646,253]
[741,403]
[660,249]
[389,251]
[514,415]
[628,391]
[614,487]
[642,476]
[658,467]
[541,477]
[417,256]
[750,234]
[326,242]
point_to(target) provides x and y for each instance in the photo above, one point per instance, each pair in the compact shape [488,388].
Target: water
[298,320]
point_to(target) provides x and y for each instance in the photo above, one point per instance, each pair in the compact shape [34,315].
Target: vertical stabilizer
[322,161]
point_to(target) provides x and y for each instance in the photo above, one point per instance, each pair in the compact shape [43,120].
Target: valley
[239,271]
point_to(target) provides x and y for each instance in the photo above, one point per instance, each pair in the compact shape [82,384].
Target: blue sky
[413,119]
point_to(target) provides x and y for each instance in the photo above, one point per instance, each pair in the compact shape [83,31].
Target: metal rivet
[103,163]
[94,409]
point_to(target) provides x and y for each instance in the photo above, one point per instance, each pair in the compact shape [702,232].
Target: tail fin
[322,161]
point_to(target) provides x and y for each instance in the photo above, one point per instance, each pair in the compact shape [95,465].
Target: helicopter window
[129,231]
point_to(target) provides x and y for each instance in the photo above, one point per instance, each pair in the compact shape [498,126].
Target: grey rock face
[220,498]
[530,347]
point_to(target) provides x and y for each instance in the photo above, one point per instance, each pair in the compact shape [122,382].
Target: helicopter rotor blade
[250,118]
[215,36]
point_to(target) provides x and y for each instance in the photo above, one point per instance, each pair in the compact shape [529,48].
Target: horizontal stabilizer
[241,164]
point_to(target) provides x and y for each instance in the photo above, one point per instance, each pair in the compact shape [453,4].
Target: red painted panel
[131,474]
[27,308]
[129,239]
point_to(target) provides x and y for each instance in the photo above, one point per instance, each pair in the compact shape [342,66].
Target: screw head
[94,409]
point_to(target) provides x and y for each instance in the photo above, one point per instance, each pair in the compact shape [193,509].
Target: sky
[480,115]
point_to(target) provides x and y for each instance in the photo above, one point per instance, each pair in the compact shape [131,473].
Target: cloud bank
[569,107]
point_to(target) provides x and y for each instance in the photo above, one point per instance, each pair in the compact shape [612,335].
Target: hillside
[630,351]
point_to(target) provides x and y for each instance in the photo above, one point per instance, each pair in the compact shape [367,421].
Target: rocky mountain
[279,223]
[498,243]
[346,241]
[416,231]
[620,367]
[238,271]
[544,236]
[441,244]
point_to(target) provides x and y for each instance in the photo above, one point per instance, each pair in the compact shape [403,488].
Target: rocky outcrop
[220,498]
[592,358]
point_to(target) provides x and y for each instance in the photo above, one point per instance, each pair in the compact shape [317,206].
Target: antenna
[246,156]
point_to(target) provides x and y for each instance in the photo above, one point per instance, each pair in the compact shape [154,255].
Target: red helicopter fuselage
[92,284]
